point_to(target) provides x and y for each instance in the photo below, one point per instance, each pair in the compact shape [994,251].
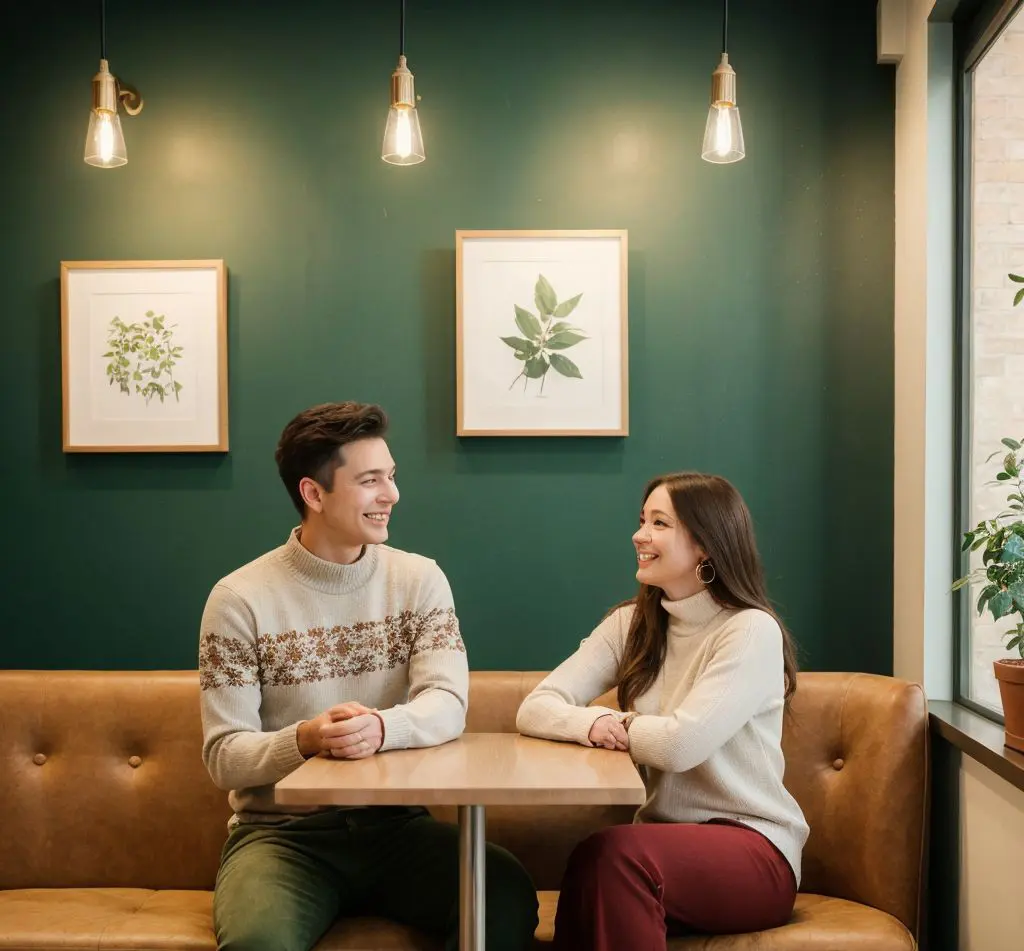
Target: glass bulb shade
[723,134]
[403,140]
[104,142]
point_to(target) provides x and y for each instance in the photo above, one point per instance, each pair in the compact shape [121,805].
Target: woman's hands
[609,733]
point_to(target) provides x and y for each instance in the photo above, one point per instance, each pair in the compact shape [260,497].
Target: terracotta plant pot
[1010,674]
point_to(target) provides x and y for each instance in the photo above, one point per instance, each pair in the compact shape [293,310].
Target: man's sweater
[709,729]
[289,635]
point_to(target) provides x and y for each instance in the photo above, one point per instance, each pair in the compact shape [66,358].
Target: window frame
[976,26]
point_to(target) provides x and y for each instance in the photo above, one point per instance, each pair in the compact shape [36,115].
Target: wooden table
[473,772]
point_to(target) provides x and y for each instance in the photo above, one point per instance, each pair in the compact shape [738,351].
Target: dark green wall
[760,300]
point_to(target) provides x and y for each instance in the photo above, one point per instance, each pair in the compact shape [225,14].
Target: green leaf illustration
[536,366]
[566,307]
[143,350]
[564,340]
[565,366]
[527,323]
[544,296]
[544,334]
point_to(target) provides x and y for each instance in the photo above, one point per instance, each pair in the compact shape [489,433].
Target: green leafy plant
[143,356]
[1002,542]
[1017,279]
[545,335]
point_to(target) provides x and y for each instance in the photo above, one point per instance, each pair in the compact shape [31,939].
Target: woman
[703,667]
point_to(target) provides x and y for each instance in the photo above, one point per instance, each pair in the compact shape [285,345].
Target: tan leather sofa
[112,828]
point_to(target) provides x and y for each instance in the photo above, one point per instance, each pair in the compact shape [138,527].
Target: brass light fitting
[104,141]
[403,139]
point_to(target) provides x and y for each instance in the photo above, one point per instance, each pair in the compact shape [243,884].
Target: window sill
[977,737]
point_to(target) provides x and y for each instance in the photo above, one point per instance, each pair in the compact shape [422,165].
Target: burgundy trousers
[627,887]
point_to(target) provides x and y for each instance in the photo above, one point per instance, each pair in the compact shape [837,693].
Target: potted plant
[1002,571]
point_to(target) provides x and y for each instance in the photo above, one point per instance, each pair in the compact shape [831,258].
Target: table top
[477,769]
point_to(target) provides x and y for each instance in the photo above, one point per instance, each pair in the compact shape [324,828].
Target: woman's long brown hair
[718,520]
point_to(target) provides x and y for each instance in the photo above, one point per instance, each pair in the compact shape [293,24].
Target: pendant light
[104,142]
[723,134]
[403,140]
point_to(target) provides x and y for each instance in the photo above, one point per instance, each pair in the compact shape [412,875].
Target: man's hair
[312,443]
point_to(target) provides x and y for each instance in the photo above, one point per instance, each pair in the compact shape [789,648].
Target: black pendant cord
[725,26]
[103,29]
[401,28]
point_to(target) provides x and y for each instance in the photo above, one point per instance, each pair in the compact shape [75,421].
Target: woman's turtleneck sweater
[708,732]
[290,635]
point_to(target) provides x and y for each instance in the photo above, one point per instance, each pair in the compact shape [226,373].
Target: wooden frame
[129,384]
[507,307]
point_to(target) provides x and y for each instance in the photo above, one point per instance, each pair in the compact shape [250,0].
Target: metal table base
[472,876]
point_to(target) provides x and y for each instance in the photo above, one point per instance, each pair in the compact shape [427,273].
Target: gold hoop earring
[701,568]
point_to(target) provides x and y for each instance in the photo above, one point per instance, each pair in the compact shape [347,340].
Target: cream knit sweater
[289,635]
[710,727]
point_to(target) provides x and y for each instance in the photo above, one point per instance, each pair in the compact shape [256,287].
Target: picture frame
[144,356]
[519,292]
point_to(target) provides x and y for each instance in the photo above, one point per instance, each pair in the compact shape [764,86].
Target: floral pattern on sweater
[290,658]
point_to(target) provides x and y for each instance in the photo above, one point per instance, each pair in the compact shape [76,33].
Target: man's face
[356,509]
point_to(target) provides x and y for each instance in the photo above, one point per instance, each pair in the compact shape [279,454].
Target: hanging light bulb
[403,140]
[104,140]
[723,133]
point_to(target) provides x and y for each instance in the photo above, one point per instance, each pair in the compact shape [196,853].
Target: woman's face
[667,556]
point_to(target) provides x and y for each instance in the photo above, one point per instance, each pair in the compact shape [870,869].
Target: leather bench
[113,829]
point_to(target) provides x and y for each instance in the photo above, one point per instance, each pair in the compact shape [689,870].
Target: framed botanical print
[144,356]
[542,333]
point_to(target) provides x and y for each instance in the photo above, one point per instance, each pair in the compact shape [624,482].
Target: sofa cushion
[122,918]
[136,919]
[819,924]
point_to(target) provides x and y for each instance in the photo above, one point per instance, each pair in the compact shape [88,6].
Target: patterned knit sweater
[709,732]
[289,635]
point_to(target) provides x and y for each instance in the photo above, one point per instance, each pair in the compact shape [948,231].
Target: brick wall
[998,327]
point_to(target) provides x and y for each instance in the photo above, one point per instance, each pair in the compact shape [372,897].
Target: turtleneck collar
[692,615]
[328,576]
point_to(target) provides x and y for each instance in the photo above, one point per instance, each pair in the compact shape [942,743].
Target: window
[991,225]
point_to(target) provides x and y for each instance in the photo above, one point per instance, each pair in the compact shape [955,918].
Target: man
[337,644]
